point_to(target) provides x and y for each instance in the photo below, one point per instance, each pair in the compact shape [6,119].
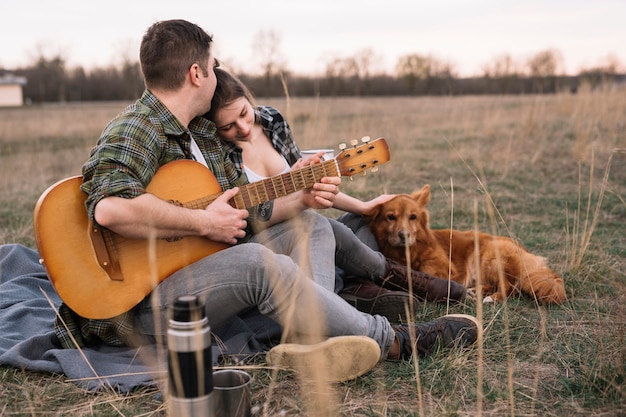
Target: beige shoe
[336,359]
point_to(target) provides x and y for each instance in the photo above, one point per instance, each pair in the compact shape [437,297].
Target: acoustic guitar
[100,274]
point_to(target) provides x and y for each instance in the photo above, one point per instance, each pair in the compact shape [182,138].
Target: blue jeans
[263,274]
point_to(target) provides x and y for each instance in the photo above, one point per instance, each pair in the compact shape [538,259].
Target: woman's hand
[323,194]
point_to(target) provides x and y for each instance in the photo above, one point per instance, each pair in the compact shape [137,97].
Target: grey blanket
[28,304]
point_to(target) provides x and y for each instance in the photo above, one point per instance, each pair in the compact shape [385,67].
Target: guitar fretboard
[271,188]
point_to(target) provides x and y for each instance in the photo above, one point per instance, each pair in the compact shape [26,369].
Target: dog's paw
[471,294]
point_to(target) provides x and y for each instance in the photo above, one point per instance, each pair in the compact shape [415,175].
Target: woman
[260,142]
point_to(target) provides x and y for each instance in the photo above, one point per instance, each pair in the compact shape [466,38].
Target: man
[164,126]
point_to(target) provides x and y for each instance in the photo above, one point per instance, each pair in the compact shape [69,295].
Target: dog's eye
[391,217]
[413,217]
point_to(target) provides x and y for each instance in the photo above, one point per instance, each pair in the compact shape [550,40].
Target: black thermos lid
[188,308]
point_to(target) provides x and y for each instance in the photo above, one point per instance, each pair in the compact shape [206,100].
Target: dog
[505,266]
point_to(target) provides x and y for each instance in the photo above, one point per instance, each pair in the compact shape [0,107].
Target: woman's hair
[229,88]
[169,48]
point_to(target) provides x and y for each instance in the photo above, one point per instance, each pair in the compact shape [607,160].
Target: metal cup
[231,396]
[328,153]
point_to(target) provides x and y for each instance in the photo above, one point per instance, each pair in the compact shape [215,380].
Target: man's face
[211,81]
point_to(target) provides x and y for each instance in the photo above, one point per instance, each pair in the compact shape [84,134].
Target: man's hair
[168,49]
[229,88]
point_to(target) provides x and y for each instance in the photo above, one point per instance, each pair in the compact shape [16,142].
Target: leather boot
[368,297]
[424,286]
[452,330]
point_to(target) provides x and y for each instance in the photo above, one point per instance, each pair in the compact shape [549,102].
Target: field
[547,170]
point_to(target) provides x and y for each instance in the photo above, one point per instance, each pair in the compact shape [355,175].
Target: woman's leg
[353,256]
[359,227]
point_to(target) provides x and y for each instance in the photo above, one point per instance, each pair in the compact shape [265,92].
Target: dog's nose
[402,235]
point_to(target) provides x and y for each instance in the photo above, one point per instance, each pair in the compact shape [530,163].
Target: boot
[452,330]
[366,296]
[424,286]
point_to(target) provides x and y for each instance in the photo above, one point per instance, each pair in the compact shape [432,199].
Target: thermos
[190,366]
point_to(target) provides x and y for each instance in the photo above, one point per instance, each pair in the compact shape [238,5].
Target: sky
[467,33]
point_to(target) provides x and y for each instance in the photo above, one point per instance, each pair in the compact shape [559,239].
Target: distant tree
[107,84]
[363,66]
[78,84]
[502,66]
[47,79]
[415,68]
[335,74]
[267,47]
[354,70]
[544,67]
[133,79]
[504,74]
[604,74]
[130,69]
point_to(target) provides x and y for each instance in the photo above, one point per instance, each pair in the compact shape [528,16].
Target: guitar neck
[271,188]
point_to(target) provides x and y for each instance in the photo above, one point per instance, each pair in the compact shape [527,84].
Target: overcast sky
[467,33]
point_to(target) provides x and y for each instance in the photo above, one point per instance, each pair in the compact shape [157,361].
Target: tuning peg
[374,168]
[354,142]
[365,139]
[363,173]
[342,146]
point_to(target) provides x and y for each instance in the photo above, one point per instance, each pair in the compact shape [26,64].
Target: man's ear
[194,73]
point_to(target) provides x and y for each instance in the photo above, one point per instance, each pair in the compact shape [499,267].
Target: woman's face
[234,121]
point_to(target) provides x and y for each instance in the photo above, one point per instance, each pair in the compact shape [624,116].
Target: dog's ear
[371,214]
[422,196]
[377,209]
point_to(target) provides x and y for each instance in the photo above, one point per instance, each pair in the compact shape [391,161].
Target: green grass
[534,167]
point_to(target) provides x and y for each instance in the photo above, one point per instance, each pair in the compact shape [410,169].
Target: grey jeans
[265,274]
[356,251]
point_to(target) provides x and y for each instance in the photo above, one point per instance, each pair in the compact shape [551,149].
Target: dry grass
[548,170]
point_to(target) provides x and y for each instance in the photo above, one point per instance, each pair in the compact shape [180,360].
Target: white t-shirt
[253,176]
[197,153]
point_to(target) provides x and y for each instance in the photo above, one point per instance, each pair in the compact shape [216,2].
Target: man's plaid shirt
[131,149]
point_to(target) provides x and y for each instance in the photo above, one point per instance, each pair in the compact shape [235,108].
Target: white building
[11,93]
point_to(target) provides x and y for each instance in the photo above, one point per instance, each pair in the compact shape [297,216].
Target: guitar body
[74,267]
[100,274]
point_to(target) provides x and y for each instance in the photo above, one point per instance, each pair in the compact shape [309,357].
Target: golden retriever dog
[505,266]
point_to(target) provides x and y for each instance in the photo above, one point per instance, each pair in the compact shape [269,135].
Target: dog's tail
[543,282]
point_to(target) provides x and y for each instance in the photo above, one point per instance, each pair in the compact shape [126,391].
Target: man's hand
[224,222]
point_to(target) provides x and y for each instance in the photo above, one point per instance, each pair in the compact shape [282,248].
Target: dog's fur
[505,266]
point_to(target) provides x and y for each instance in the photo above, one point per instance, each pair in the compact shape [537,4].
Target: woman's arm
[354,205]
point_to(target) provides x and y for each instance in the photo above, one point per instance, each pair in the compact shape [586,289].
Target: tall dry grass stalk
[586,219]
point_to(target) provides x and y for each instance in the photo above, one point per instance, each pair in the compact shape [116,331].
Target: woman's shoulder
[270,112]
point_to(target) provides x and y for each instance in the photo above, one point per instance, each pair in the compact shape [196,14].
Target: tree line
[50,79]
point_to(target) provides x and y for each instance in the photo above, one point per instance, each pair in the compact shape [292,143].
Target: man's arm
[148,216]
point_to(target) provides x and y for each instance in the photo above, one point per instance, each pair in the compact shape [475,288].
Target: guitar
[100,274]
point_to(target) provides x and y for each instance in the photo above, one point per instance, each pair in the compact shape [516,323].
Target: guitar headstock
[360,158]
